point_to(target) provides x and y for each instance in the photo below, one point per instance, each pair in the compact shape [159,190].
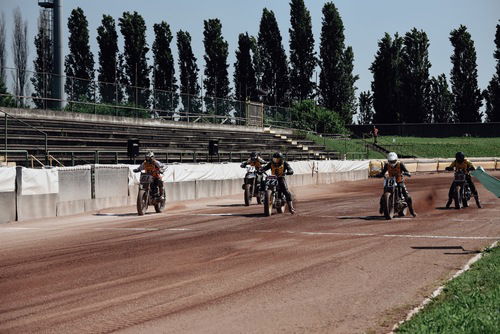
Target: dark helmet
[254,156]
[277,158]
[150,156]
[460,156]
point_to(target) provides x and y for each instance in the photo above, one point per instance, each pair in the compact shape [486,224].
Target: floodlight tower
[55,7]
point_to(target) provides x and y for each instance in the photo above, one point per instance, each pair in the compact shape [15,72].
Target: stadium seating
[73,142]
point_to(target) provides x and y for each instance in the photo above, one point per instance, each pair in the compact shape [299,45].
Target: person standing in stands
[375,134]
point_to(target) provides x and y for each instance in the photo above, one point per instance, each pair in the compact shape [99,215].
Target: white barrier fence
[36,193]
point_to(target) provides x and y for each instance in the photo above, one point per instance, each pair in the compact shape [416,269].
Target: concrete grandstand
[63,138]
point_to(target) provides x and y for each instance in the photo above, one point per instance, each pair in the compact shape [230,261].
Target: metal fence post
[6,130]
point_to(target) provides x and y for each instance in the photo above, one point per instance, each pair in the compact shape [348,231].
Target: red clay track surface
[219,267]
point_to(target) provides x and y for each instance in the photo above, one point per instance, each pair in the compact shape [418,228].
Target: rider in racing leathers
[279,167]
[257,162]
[464,165]
[155,168]
[397,169]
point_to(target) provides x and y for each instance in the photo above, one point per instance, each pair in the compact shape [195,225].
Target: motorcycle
[273,196]
[149,194]
[251,186]
[393,201]
[461,192]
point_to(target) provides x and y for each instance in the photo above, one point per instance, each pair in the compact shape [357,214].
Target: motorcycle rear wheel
[160,206]
[259,197]
[142,202]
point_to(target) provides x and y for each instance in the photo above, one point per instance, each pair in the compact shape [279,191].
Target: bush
[306,115]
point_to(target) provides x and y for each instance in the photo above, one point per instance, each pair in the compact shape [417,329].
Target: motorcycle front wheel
[457,197]
[142,202]
[465,203]
[248,194]
[388,205]
[268,203]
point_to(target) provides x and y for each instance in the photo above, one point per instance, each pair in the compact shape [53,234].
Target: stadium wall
[36,193]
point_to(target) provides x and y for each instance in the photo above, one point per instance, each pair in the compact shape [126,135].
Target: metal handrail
[33,158]
[51,158]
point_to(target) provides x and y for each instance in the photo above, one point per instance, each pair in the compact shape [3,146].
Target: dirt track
[218,267]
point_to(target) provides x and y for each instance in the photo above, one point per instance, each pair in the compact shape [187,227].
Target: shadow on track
[120,214]
[364,217]
[226,205]
[249,215]
[463,251]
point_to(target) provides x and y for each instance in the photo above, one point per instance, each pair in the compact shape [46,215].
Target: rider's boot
[476,197]
[448,204]
[410,207]
[290,207]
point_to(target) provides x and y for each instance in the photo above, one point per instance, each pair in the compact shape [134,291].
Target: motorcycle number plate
[145,178]
[459,177]
[390,182]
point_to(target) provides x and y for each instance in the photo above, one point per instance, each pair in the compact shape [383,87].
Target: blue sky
[365,23]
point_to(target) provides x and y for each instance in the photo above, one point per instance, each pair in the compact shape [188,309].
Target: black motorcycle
[149,194]
[393,201]
[251,186]
[461,190]
[273,196]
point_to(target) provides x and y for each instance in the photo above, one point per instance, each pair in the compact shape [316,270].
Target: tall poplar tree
[273,61]
[302,55]
[42,64]
[109,72]
[365,108]
[165,94]
[440,100]
[133,29]
[188,74]
[336,80]
[415,77]
[492,93]
[79,62]
[3,50]
[245,83]
[386,84]
[216,80]
[467,96]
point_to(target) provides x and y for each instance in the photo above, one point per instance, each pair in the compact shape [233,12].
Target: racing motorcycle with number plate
[252,187]
[273,196]
[461,192]
[393,201]
[149,194]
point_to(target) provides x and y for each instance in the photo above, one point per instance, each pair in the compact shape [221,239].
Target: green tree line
[402,90]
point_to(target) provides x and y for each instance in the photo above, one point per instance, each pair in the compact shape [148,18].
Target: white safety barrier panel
[190,181]
[7,194]
[71,190]
[37,192]
[435,165]
[110,187]
[75,190]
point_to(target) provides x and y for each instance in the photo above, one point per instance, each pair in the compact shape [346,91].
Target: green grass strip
[469,303]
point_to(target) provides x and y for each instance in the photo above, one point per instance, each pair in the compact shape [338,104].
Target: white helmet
[150,156]
[392,158]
